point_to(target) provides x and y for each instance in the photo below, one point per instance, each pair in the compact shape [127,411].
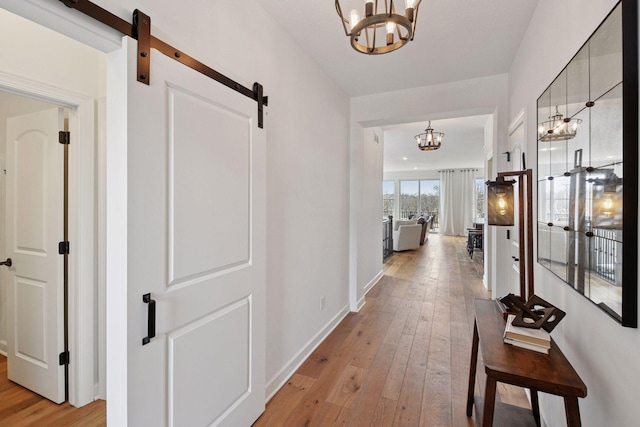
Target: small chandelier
[364,34]
[557,128]
[429,140]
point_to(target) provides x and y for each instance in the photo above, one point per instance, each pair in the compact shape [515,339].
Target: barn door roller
[141,31]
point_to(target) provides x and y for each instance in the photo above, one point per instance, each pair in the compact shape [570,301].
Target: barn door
[196,244]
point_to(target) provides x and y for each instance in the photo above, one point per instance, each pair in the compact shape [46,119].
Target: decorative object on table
[500,211]
[378,28]
[536,313]
[532,339]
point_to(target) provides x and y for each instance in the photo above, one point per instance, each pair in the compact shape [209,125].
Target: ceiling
[455,40]
[461,145]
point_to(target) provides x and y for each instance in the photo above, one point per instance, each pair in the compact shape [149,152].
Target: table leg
[573,411]
[472,370]
[489,402]
[535,407]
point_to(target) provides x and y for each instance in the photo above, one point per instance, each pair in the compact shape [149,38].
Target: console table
[549,373]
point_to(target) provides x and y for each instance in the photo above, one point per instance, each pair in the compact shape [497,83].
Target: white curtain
[457,201]
[467,199]
[447,202]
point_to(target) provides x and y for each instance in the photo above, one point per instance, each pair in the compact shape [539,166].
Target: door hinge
[63,248]
[64,137]
[64,358]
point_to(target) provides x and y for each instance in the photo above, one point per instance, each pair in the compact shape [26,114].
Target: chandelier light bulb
[390,27]
[354,18]
[410,4]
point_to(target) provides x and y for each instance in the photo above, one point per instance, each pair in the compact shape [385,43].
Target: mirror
[587,169]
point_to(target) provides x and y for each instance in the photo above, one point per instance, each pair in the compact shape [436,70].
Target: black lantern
[500,203]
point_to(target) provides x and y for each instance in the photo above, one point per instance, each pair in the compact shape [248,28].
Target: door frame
[510,247]
[82,229]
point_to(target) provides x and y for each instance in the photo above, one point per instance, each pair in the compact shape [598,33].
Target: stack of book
[533,339]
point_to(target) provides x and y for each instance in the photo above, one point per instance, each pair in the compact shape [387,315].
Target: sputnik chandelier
[557,128]
[429,140]
[380,31]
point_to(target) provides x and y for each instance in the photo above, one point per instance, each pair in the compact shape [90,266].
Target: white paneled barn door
[196,243]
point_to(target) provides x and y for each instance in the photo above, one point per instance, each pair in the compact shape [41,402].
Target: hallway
[403,360]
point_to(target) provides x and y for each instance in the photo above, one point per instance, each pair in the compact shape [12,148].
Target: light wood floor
[403,360]
[21,407]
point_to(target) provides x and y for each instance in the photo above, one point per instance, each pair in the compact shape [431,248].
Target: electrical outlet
[321,303]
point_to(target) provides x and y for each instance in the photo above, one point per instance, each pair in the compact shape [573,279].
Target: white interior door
[196,243]
[34,226]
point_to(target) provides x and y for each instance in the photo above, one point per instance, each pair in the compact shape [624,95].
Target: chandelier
[429,140]
[380,32]
[557,128]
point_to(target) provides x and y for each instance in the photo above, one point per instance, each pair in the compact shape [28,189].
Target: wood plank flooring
[20,407]
[403,360]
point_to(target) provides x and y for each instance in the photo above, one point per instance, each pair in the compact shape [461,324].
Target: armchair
[426,222]
[406,235]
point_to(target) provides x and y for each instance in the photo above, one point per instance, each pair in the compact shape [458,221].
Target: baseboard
[367,288]
[3,348]
[96,392]
[373,282]
[296,361]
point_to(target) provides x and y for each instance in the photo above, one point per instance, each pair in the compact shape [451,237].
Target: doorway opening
[32,69]
[35,227]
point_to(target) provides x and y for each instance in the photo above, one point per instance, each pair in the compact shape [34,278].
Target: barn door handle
[151,318]
[8,262]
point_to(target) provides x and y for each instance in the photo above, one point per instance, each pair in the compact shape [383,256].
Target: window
[480,191]
[388,197]
[409,198]
[430,197]
[419,198]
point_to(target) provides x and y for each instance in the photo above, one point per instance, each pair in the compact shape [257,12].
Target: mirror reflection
[580,170]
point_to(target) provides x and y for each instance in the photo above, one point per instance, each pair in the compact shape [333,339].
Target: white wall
[604,353]
[307,125]
[484,95]
[59,62]
[366,213]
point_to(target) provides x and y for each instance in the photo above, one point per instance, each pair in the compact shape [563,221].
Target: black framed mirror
[588,168]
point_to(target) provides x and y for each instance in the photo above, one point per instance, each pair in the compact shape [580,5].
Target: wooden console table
[549,373]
